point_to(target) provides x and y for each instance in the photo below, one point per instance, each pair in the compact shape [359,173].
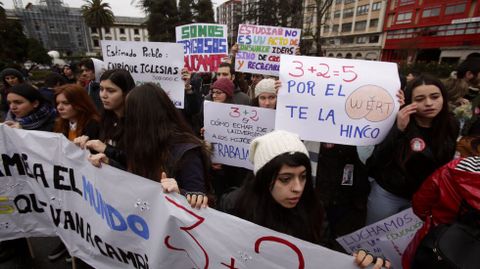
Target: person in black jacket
[115,84]
[422,140]
[159,145]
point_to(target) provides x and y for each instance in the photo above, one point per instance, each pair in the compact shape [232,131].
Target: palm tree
[97,15]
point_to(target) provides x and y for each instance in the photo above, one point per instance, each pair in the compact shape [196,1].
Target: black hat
[11,72]
[28,92]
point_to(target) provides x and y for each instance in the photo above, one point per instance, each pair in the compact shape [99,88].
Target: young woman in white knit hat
[265,94]
[279,194]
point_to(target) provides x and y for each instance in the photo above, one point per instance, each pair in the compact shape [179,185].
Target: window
[123,38]
[405,2]
[326,28]
[107,30]
[404,17]
[362,9]
[96,43]
[335,28]
[347,40]
[376,6]
[373,22]
[373,39]
[347,13]
[362,39]
[348,2]
[455,9]
[136,31]
[94,30]
[431,12]
[360,25]
[346,27]
[137,38]
[122,31]
[336,14]
[108,38]
[77,29]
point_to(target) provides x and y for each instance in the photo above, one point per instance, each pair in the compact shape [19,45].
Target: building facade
[229,13]
[431,30]
[353,29]
[55,25]
[123,29]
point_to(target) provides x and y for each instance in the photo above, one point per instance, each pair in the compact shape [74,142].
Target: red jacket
[440,195]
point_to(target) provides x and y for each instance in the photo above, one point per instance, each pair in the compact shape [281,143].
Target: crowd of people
[296,187]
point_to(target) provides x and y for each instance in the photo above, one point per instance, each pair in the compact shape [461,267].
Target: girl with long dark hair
[422,140]
[279,194]
[115,84]
[160,141]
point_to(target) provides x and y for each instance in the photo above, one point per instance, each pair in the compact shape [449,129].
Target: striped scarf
[469,164]
[35,119]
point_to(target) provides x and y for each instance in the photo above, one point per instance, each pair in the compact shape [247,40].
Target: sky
[119,7]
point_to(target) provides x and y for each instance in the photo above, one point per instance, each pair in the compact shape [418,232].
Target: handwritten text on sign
[260,48]
[388,237]
[112,219]
[340,101]
[155,62]
[204,45]
[230,129]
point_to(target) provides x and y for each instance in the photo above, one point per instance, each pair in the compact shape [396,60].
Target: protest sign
[388,237]
[339,101]
[230,128]
[112,219]
[155,62]
[205,45]
[260,48]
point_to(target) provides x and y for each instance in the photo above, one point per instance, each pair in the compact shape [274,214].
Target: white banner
[205,45]
[156,62]
[230,128]
[112,219]
[388,237]
[341,101]
[260,47]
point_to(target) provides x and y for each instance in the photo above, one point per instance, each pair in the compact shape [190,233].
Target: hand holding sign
[169,184]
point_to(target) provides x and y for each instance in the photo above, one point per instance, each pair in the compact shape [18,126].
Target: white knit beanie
[265,85]
[265,148]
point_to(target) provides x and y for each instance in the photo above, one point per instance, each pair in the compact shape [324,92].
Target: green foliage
[185,9]
[97,14]
[37,53]
[162,19]
[13,43]
[441,70]
[204,11]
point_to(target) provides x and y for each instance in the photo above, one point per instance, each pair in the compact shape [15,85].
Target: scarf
[35,119]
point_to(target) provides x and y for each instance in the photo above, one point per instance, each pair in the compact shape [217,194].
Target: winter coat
[404,160]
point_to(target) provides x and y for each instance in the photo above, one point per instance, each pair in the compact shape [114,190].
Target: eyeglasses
[217,92]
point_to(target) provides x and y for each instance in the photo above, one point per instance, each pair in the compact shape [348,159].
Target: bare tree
[320,8]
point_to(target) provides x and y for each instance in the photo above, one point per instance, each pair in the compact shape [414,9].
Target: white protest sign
[230,128]
[155,62]
[112,219]
[388,237]
[260,47]
[341,101]
[205,45]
